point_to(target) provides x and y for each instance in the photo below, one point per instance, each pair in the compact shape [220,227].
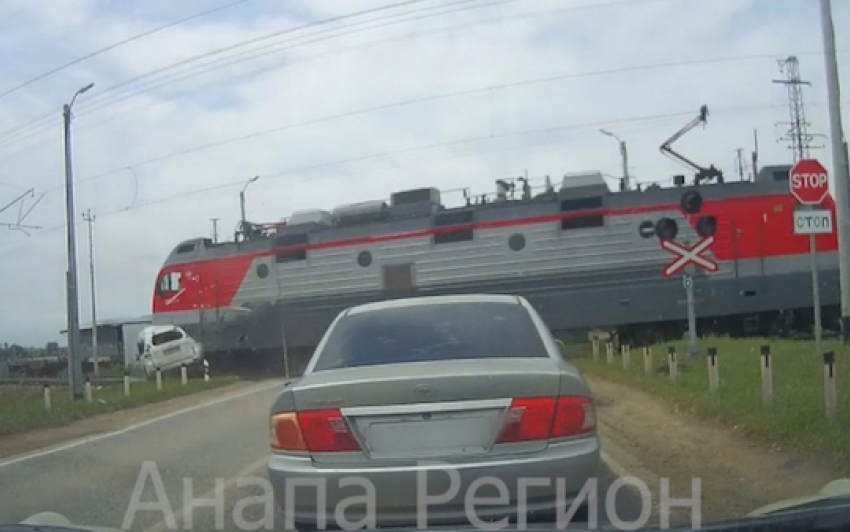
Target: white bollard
[672,362]
[713,370]
[626,358]
[88,390]
[48,405]
[830,395]
[126,385]
[595,349]
[158,379]
[206,370]
[647,360]
[184,376]
[609,349]
[766,377]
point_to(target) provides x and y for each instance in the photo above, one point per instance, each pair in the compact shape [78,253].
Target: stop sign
[809,182]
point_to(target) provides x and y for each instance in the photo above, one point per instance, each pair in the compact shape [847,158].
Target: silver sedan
[432,410]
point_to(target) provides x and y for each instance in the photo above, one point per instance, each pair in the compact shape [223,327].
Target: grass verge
[797,418]
[22,408]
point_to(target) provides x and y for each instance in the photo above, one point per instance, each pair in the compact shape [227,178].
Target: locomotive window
[581,204]
[170,282]
[285,241]
[291,256]
[186,248]
[453,235]
[291,240]
[582,222]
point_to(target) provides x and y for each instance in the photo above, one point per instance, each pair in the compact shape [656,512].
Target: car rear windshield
[165,337]
[432,332]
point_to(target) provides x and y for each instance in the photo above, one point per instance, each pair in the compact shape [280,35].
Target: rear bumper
[437,492]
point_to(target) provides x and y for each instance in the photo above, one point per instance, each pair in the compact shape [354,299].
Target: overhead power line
[119,44]
[105,100]
[414,101]
[104,94]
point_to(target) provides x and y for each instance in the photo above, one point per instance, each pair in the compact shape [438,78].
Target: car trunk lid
[427,409]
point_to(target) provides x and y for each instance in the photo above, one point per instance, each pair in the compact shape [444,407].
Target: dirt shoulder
[650,438]
[33,440]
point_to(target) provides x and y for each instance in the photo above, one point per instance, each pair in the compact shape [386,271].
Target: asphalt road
[92,481]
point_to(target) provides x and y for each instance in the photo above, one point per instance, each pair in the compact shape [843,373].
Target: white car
[166,347]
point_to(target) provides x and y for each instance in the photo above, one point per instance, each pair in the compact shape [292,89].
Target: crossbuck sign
[688,256]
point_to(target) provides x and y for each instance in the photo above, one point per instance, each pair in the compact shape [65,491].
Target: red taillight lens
[574,415]
[541,418]
[528,419]
[326,431]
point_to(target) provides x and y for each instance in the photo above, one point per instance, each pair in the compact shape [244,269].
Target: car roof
[434,300]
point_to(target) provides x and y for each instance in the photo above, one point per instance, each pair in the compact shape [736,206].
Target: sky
[339,101]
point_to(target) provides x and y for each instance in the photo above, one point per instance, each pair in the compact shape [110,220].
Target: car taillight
[318,431]
[542,418]
[286,433]
[326,431]
[528,419]
[574,415]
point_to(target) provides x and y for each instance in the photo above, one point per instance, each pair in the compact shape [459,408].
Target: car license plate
[172,350]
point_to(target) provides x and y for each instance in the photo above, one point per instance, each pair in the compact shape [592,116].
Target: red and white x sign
[689,255]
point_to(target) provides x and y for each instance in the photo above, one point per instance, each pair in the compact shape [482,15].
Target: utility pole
[75,366]
[215,230]
[839,163]
[89,217]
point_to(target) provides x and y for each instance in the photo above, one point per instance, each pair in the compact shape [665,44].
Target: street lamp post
[75,363]
[242,203]
[624,156]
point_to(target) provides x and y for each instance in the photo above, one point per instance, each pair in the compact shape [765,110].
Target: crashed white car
[166,347]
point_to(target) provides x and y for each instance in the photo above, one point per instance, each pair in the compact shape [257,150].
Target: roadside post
[184,376]
[88,390]
[713,370]
[766,377]
[47,403]
[159,379]
[206,370]
[595,349]
[647,360]
[609,349]
[625,352]
[829,387]
[809,184]
[126,384]
[672,363]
